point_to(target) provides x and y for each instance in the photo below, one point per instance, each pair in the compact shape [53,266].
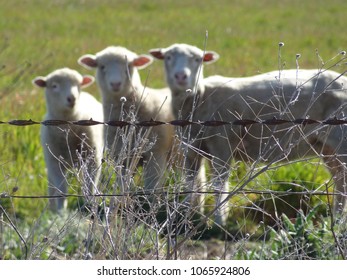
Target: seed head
[123,99]
[280,44]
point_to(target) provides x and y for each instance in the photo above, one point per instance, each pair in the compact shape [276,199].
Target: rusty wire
[180,123]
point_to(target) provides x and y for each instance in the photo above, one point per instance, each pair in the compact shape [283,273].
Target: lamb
[66,101]
[121,89]
[288,94]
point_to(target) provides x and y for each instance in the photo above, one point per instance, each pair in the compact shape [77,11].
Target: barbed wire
[180,123]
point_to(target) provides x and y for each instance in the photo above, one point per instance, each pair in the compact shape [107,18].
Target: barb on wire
[87,122]
[150,123]
[54,122]
[120,124]
[246,122]
[214,123]
[275,121]
[305,121]
[21,122]
[334,121]
[181,123]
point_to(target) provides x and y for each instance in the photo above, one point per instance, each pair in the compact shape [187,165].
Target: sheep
[287,94]
[121,89]
[66,101]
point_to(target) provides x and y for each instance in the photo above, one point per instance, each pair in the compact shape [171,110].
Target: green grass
[37,37]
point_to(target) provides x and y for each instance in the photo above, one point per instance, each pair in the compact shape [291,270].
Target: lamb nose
[181,76]
[116,85]
[71,100]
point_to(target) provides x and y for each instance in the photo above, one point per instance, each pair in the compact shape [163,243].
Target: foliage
[35,39]
[307,237]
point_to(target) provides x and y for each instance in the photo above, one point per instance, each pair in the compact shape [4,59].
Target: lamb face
[63,90]
[183,65]
[113,74]
[116,70]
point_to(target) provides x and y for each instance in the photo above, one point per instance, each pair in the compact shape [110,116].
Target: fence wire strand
[180,123]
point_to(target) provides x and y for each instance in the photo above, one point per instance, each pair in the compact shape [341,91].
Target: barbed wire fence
[274,122]
[177,123]
[181,124]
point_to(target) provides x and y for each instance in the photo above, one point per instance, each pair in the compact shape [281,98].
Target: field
[37,37]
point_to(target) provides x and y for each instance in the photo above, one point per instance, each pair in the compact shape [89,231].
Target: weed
[266,224]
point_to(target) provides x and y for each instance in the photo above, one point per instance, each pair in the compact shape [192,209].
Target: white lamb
[64,145]
[118,79]
[288,94]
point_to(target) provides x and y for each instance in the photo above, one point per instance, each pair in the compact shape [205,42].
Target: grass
[35,39]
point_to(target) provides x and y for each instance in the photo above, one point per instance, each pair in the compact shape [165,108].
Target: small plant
[306,237]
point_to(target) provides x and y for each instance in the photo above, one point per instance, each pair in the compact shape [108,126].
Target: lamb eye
[168,57]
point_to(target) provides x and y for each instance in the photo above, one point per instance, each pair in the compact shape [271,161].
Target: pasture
[37,37]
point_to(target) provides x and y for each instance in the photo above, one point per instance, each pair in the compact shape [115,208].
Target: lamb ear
[157,53]
[40,82]
[142,61]
[87,81]
[88,61]
[210,57]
